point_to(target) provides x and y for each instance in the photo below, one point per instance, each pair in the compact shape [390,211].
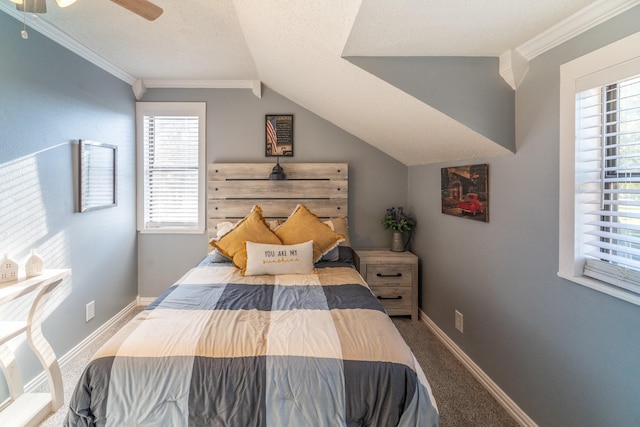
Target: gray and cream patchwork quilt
[221,349]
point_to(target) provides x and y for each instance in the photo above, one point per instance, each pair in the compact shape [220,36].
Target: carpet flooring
[462,401]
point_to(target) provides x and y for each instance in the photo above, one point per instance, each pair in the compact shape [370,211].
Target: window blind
[171,171]
[608,182]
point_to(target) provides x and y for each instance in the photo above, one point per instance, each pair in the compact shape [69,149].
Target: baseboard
[41,379]
[145,301]
[503,399]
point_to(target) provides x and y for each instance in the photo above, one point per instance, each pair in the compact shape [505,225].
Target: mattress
[222,349]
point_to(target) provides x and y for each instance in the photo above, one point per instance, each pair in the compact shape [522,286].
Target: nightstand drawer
[392,277]
[389,274]
[395,299]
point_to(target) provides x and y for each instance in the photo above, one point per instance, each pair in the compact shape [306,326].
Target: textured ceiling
[453,27]
[296,48]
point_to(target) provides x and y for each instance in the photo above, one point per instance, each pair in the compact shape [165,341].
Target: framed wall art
[98,175]
[465,191]
[278,135]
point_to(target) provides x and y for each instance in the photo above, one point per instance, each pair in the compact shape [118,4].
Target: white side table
[29,409]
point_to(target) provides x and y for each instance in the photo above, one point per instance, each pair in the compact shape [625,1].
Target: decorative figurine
[34,265]
[8,269]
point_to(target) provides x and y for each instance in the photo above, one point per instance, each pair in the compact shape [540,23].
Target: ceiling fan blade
[32,6]
[144,8]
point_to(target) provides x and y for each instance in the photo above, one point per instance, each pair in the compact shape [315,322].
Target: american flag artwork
[279,135]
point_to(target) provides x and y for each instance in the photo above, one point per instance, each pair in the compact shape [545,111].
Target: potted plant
[398,221]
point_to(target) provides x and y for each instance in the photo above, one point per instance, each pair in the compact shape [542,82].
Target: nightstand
[393,278]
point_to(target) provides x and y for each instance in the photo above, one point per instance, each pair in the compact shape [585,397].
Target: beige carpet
[461,400]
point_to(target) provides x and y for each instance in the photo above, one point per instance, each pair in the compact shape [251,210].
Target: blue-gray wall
[235,133]
[566,354]
[467,89]
[49,97]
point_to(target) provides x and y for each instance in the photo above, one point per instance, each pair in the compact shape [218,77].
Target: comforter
[221,349]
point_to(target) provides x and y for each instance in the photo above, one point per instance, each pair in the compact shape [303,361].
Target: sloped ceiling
[298,49]
[453,28]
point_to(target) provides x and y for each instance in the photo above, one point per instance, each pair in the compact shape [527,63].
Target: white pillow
[279,259]
[223,228]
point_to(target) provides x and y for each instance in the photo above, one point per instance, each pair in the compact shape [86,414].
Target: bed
[270,333]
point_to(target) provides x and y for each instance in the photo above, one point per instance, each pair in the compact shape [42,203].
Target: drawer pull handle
[398,297]
[389,275]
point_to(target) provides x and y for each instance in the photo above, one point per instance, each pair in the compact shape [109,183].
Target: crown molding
[514,63]
[198,84]
[54,33]
[140,86]
[583,20]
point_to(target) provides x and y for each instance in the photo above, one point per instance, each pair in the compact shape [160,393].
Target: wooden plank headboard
[234,188]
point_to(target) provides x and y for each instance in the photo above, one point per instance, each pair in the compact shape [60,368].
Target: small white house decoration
[34,265]
[8,269]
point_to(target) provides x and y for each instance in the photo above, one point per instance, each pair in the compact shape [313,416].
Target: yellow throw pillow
[302,226]
[251,228]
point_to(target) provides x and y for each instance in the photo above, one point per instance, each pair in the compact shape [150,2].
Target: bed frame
[234,188]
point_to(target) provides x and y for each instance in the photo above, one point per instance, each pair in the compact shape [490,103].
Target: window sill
[170,231]
[603,287]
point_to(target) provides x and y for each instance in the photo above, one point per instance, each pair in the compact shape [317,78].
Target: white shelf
[16,288]
[29,409]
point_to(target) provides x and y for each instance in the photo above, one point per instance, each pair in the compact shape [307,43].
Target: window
[171,167]
[600,170]
[608,138]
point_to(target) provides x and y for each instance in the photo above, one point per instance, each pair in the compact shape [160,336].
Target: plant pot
[397,242]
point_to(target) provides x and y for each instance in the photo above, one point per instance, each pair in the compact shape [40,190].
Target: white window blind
[608,182]
[171,170]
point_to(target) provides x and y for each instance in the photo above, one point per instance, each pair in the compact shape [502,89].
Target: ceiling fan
[144,8]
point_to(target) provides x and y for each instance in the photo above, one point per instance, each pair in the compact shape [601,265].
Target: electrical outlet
[90,311]
[459,321]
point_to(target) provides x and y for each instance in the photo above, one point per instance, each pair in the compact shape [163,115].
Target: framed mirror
[98,175]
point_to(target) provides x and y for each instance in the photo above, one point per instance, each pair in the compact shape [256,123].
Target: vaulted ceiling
[305,50]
